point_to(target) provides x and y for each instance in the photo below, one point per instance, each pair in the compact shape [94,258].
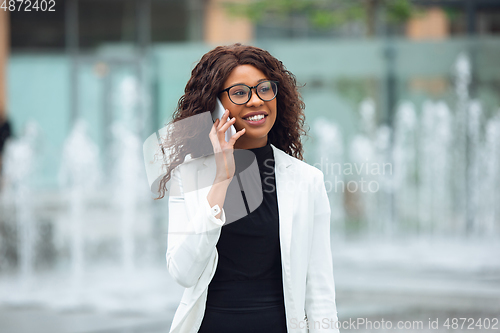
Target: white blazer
[304,229]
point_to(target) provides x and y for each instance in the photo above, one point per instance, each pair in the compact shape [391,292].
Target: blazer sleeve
[320,307]
[189,252]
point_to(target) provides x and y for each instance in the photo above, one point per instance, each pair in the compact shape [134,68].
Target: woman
[268,271]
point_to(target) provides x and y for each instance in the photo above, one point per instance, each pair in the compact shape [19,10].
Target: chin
[256,135]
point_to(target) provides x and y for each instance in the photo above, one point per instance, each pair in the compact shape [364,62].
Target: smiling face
[255,130]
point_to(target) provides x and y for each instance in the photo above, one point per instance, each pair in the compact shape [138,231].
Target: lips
[254,122]
[255,113]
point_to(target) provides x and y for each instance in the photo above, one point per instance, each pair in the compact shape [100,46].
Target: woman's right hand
[223,150]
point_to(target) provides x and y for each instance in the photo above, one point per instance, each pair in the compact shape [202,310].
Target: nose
[254,99]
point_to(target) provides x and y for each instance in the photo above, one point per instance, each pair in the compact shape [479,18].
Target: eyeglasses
[241,93]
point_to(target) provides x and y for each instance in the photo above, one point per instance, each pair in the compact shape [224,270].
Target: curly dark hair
[202,89]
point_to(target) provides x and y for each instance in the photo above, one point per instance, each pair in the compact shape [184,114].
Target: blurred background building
[105,37]
[401,95]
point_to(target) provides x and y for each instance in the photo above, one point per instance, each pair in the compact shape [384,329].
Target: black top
[248,273]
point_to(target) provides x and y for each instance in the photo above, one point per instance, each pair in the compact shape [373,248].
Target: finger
[224,117]
[222,130]
[230,122]
[235,137]
[217,126]
[214,126]
[213,134]
[214,137]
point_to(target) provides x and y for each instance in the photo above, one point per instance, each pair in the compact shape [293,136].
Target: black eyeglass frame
[250,94]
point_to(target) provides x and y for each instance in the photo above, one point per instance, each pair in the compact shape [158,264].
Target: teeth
[256,118]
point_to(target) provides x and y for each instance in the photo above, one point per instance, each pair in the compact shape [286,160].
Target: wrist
[222,178]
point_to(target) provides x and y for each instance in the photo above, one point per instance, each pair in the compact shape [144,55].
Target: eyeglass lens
[266,90]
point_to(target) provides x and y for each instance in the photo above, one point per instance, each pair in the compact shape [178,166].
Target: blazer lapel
[285,189]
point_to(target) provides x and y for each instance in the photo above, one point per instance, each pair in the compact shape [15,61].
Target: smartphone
[218,113]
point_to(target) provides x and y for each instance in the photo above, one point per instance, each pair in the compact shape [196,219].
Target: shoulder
[190,166]
[303,168]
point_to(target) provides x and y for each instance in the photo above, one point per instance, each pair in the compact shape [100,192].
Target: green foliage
[322,14]
[399,11]
[326,17]
[452,14]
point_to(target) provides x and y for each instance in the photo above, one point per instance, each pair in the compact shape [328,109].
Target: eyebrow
[259,81]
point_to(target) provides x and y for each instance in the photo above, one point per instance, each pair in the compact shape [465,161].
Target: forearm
[217,194]
[192,237]
[189,250]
